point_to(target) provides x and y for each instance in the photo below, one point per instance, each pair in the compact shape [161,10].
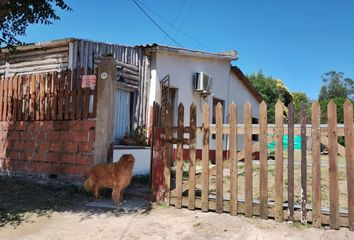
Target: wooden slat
[79,102]
[303,165]
[49,96]
[316,165]
[95,97]
[42,97]
[33,97]
[348,129]
[67,87]
[279,161]
[205,159]
[20,105]
[248,160]
[2,81]
[192,155]
[15,98]
[167,158]
[61,95]
[55,96]
[38,98]
[28,97]
[9,98]
[179,163]
[233,152]
[6,86]
[291,111]
[263,158]
[86,105]
[219,159]
[73,95]
[333,165]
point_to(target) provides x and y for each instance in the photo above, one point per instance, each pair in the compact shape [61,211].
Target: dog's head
[127,160]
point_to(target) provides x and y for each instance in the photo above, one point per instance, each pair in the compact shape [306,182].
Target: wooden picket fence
[185,194]
[47,96]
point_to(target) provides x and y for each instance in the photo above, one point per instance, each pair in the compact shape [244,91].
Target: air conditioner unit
[202,83]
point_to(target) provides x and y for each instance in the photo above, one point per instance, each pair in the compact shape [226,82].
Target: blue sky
[295,41]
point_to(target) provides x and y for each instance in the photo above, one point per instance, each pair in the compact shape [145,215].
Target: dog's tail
[87,185]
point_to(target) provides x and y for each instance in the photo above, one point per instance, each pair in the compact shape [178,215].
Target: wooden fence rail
[185,193]
[48,96]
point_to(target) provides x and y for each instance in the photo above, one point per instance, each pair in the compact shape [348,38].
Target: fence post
[180,160]
[333,165]
[303,165]
[279,215]
[107,72]
[316,165]
[291,111]
[263,158]
[233,159]
[348,128]
[205,159]
[192,155]
[219,158]
[248,160]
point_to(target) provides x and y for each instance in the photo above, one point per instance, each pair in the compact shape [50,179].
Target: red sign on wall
[88,81]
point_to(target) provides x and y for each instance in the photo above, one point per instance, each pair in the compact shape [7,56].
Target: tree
[301,97]
[271,90]
[17,15]
[337,87]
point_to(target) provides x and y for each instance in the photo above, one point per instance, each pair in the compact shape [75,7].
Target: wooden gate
[297,186]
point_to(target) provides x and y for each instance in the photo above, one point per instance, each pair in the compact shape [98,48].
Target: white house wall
[226,85]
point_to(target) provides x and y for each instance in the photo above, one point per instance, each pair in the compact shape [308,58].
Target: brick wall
[42,148]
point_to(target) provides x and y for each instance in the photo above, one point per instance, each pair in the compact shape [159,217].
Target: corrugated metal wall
[122,118]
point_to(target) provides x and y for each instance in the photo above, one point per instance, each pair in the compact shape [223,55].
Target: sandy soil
[159,223]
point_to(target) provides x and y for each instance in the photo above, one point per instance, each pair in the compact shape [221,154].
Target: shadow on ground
[23,197]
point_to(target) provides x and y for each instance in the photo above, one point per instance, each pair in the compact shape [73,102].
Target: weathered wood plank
[316,165]
[42,97]
[20,104]
[73,95]
[291,111]
[61,95]
[95,99]
[67,86]
[263,158]
[205,159]
[86,105]
[219,158]
[179,163]
[333,165]
[248,160]
[192,155]
[303,165]
[37,96]
[2,102]
[9,98]
[28,98]
[349,156]
[279,162]
[55,96]
[49,96]
[167,158]
[6,87]
[15,97]
[233,152]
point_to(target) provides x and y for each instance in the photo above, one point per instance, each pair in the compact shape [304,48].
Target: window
[215,102]
[255,137]
[124,112]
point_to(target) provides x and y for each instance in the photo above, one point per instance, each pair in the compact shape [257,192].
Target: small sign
[88,81]
[104,75]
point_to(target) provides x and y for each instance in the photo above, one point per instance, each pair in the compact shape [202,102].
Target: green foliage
[299,98]
[17,15]
[337,87]
[139,135]
[271,90]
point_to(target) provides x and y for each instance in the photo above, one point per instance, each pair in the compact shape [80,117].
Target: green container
[297,143]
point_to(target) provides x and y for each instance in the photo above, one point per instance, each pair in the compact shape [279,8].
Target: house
[181,66]
[140,72]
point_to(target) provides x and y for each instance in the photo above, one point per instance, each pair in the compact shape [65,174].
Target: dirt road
[159,223]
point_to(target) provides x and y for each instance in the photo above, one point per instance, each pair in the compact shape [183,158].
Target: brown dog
[111,175]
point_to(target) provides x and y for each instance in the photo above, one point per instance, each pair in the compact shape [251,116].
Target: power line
[185,16]
[174,27]
[155,23]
